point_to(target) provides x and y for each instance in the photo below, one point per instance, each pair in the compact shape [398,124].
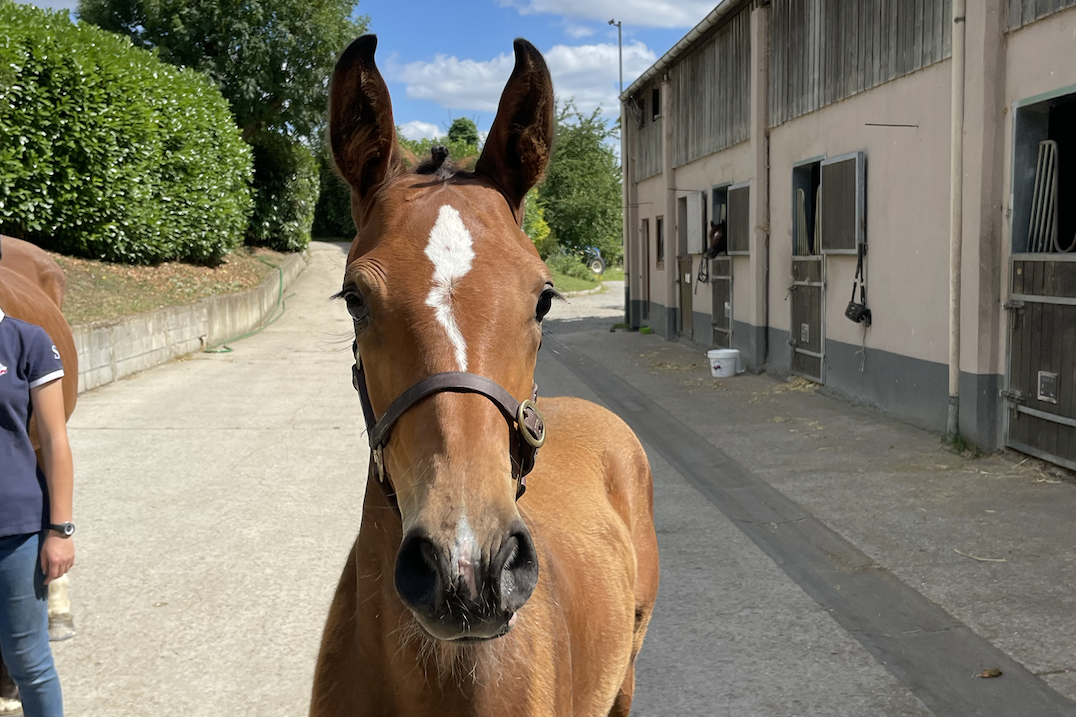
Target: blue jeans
[24,626]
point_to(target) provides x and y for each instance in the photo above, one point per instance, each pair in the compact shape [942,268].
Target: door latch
[1012,395]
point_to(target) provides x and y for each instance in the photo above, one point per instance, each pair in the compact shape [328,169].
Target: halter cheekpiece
[525,421]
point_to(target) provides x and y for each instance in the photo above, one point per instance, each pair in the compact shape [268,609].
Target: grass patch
[613,273]
[962,447]
[563,283]
[98,290]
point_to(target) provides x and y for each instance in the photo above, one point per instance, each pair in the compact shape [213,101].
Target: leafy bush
[332,215]
[286,192]
[570,265]
[111,154]
[535,226]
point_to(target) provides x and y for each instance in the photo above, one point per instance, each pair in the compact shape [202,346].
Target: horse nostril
[418,572]
[515,571]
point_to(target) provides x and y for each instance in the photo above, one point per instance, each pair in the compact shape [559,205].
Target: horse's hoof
[10,708]
[61,627]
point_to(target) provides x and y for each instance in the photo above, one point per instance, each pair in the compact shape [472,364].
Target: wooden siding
[646,134]
[823,51]
[1025,12]
[712,93]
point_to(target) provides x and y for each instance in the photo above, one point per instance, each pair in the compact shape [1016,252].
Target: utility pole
[619,51]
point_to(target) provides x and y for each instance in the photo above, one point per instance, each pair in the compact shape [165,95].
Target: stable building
[826,149]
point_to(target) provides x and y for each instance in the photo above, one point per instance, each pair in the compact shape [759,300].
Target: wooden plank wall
[647,137]
[712,92]
[823,51]
[1025,12]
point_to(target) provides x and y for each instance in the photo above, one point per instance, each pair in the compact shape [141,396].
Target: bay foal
[456,599]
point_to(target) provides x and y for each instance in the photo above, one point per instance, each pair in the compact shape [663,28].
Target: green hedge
[286,192]
[109,153]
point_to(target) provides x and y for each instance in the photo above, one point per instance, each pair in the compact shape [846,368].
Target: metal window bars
[1042,234]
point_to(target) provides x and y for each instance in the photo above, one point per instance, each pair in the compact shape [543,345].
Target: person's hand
[57,556]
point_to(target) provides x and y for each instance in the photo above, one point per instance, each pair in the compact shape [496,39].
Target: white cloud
[586,72]
[573,30]
[420,130]
[641,13]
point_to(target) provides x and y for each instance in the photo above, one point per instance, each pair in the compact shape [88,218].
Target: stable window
[739,219]
[843,206]
[806,217]
[655,103]
[659,236]
[1044,176]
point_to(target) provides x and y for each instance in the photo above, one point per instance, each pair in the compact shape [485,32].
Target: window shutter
[696,222]
[844,203]
[739,219]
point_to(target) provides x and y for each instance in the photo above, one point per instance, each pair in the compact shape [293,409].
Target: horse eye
[544,302]
[357,307]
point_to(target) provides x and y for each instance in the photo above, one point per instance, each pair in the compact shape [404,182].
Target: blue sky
[445,60]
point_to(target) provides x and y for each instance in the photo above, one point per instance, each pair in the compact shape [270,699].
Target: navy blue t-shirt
[28,359]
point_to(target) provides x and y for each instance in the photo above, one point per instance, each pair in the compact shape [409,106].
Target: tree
[581,195]
[270,58]
[463,131]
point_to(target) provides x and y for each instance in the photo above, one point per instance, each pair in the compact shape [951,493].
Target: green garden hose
[281,303]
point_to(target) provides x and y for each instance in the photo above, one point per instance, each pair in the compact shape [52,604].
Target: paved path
[217,498]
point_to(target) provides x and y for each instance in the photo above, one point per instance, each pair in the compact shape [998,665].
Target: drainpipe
[956,216]
[626,225]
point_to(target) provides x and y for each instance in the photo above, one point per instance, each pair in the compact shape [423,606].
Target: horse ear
[519,144]
[361,130]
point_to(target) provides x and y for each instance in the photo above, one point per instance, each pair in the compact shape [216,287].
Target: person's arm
[58,553]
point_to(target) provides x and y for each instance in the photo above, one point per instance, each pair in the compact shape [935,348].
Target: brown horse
[456,599]
[32,289]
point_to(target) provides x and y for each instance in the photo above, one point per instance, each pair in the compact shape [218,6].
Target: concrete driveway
[216,499]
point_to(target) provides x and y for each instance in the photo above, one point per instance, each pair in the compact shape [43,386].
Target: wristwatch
[66,530]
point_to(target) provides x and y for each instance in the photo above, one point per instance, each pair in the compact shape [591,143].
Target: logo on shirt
[55,352]
[3,370]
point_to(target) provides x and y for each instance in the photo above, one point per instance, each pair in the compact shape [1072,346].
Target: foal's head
[441,278]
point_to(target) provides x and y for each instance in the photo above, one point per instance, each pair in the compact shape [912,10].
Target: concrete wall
[110,350]
[907,212]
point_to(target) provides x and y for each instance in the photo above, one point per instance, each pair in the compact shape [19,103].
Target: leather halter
[524,420]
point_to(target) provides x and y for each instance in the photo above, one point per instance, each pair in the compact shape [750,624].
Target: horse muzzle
[458,591]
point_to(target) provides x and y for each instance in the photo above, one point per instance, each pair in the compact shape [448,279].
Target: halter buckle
[535,439]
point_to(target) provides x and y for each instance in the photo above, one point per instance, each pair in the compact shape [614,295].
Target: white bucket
[723,362]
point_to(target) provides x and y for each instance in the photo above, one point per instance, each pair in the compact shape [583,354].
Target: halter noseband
[524,420]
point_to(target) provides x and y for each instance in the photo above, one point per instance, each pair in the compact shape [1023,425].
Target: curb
[585,292]
[114,348]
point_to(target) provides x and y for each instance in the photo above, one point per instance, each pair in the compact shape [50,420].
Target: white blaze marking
[450,251]
[467,556]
